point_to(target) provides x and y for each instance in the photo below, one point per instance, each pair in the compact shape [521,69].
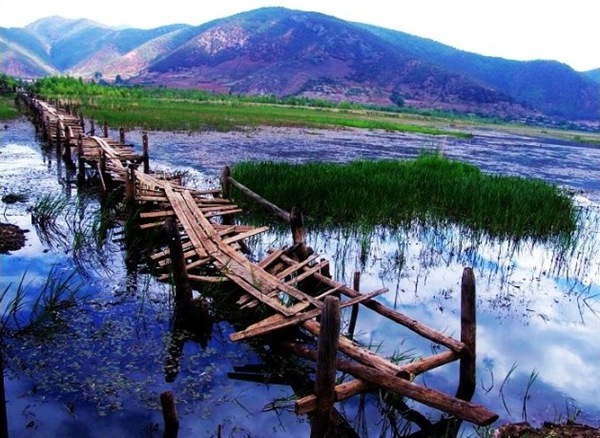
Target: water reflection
[538,303]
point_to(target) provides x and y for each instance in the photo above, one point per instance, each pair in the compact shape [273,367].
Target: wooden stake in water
[468,332]
[146,153]
[170,417]
[354,314]
[183,292]
[329,335]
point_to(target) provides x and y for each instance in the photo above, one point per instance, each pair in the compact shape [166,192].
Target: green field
[196,110]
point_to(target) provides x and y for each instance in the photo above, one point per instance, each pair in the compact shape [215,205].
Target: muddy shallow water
[538,309]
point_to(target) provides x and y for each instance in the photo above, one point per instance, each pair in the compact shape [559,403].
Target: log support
[468,331]
[183,292]
[298,234]
[354,314]
[326,367]
[146,155]
[170,417]
[80,161]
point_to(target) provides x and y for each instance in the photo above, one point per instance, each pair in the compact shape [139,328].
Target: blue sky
[563,30]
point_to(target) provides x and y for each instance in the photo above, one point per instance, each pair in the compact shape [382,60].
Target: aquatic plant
[47,208]
[430,188]
[39,311]
[7,107]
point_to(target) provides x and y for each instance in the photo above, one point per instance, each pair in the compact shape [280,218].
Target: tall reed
[396,193]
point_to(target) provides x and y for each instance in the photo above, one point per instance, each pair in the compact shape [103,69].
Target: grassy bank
[196,110]
[7,107]
[394,193]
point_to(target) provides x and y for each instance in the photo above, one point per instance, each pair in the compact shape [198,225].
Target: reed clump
[398,193]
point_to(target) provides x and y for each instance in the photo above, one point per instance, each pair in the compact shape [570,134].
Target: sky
[567,31]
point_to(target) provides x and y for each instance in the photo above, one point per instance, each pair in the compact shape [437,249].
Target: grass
[190,115]
[197,110]
[39,311]
[7,107]
[396,193]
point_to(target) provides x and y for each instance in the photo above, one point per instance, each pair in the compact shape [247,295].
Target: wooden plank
[258,276]
[206,278]
[223,213]
[346,390]
[264,263]
[245,235]
[308,272]
[296,267]
[279,323]
[412,324]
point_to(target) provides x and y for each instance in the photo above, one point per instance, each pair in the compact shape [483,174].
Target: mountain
[593,75]
[287,52]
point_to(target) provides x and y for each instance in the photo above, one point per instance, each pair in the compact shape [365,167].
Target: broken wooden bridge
[293,285]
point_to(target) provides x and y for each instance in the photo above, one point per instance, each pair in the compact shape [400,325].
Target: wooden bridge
[292,284]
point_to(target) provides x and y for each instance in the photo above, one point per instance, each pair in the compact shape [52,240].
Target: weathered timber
[170,417]
[326,367]
[354,314]
[412,324]
[459,408]
[145,154]
[468,327]
[183,292]
[226,182]
[272,208]
[277,322]
[346,390]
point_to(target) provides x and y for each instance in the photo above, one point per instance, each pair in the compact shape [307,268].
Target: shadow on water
[98,370]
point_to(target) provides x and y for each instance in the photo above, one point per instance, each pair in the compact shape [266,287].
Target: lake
[100,372]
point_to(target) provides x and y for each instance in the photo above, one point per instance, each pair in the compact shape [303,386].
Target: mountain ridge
[287,52]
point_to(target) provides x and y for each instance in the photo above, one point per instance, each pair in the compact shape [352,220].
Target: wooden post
[81,122]
[122,135]
[146,154]
[58,134]
[80,162]
[67,153]
[354,314]
[468,331]
[225,183]
[183,292]
[105,129]
[46,131]
[92,127]
[297,225]
[226,193]
[130,190]
[169,411]
[329,334]
[103,184]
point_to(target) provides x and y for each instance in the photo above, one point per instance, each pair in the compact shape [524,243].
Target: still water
[538,306]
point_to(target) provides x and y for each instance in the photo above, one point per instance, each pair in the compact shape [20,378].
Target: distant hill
[286,52]
[593,74]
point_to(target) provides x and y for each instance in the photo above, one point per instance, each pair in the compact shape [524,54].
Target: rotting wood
[326,367]
[261,328]
[308,404]
[269,206]
[170,417]
[354,313]
[467,371]
[412,324]
[459,408]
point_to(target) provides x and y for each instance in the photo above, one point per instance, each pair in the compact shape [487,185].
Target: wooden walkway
[290,282]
